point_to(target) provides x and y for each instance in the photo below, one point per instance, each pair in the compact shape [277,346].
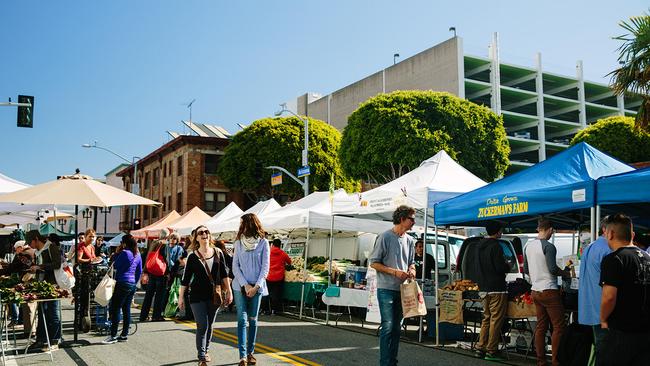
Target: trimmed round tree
[390,134]
[279,141]
[617,137]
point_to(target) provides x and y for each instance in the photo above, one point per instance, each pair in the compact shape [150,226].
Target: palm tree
[634,74]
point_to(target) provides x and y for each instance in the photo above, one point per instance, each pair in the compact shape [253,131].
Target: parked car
[448,249]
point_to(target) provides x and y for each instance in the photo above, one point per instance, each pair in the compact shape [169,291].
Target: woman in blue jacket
[128,268]
[250,265]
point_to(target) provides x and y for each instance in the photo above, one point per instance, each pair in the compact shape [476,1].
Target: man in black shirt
[625,304]
[419,261]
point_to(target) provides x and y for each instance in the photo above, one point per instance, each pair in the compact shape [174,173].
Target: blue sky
[119,71]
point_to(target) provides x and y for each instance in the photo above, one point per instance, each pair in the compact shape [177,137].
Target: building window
[211,163]
[214,201]
[169,167]
[164,170]
[145,184]
[179,166]
[179,202]
[145,212]
[156,176]
[154,212]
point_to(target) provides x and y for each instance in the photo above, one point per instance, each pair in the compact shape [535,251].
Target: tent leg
[302,292]
[74,271]
[435,251]
[329,271]
[424,262]
[597,221]
[593,223]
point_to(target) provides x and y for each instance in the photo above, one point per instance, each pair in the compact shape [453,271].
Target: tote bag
[104,291]
[412,299]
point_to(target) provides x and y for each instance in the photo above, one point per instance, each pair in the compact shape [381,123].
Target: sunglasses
[199,233]
[411,218]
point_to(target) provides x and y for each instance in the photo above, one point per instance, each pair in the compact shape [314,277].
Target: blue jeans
[204,313]
[121,303]
[247,310]
[390,309]
[156,286]
[51,310]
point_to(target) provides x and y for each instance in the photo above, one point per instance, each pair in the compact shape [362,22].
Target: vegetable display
[13,290]
[462,285]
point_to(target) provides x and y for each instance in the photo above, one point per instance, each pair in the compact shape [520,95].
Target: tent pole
[593,223]
[435,252]
[302,292]
[597,221]
[74,271]
[424,260]
[329,271]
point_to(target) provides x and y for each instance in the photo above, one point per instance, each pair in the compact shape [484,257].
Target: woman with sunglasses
[250,265]
[205,268]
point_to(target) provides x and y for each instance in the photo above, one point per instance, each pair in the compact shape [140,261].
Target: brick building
[180,174]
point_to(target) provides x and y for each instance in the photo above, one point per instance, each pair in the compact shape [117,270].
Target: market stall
[436,179]
[153,231]
[229,212]
[562,188]
[621,193]
[227,228]
[192,218]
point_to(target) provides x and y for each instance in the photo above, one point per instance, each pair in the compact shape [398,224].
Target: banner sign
[497,207]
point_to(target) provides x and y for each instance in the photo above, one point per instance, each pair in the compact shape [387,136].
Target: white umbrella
[77,190]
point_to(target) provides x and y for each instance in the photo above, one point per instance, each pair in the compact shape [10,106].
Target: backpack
[156,264]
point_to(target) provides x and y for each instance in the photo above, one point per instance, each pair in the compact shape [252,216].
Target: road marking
[270,351]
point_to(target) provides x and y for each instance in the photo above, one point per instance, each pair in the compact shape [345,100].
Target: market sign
[506,206]
[276,179]
[304,171]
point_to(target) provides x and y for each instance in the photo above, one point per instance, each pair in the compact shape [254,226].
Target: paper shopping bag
[412,299]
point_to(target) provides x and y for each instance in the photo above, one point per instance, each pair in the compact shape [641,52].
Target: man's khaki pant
[30,320]
[494,314]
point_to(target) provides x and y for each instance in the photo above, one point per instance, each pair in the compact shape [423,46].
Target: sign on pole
[276,179]
[303,171]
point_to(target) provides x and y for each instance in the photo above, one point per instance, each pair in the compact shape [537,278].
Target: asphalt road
[281,341]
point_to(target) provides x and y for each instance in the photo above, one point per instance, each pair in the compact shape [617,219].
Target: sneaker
[122,338]
[250,359]
[109,340]
[479,354]
[493,357]
[36,345]
[53,347]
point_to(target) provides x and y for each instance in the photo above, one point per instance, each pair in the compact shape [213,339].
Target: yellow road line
[272,352]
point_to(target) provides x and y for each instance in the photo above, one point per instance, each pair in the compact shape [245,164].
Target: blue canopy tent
[628,193]
[562,187]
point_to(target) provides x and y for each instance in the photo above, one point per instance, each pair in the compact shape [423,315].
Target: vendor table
[4,332]
[293,290]
[348,297]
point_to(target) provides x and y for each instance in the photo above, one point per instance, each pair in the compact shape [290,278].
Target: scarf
[249,243]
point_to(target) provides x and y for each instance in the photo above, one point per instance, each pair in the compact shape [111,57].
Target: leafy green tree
[634,73]
[390,134]
[617,137]
[279,141]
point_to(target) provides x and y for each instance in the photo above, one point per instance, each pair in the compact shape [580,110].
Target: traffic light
[136,224]
[26,114]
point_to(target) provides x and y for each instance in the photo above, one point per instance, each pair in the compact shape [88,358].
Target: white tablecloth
[348,297]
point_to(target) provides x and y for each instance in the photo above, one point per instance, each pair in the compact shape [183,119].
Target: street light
[305,157]
[87,214]
[395,57]
[105,210]
[453,29]
[135,188]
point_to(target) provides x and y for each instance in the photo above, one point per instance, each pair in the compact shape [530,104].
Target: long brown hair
[194,244]
[250,227]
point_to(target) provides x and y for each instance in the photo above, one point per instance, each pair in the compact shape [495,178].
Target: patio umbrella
[77,190]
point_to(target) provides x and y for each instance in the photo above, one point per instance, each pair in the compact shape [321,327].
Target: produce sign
[13,290]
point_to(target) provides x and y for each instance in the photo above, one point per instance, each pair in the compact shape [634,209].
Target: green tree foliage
[634,73]
[617,137]
[279,141]
[390,134]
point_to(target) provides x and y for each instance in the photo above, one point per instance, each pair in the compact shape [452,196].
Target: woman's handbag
[104,291]
[156,264]
[217,296]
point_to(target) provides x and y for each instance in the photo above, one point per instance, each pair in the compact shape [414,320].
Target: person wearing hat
[23,259]
[48,258]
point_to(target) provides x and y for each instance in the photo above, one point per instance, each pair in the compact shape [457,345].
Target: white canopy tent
[227,213]
[228,228]
[193,217]
[436,179]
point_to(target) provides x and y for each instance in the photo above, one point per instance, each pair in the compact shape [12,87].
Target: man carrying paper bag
[412,299]
[393,257]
